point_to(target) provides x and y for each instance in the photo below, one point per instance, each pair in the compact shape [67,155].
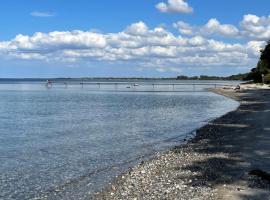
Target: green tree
[263,66]
[264,63]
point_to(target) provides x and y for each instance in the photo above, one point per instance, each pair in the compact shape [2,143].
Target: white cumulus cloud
[256,27]
[251,27]
[147,48]
[212,27]
[174,6]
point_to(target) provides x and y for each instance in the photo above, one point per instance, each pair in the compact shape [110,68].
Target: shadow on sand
[244,137]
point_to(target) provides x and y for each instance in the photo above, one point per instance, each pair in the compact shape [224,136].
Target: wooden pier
[138,86]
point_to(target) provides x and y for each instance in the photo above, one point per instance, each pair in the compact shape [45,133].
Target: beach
[227,159]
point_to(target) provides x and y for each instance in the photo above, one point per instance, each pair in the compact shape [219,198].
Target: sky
[120,38]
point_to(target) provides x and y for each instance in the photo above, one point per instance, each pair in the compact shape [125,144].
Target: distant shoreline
[180,78]
[81,79]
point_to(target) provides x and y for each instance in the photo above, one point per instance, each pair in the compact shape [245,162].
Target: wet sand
[216,164]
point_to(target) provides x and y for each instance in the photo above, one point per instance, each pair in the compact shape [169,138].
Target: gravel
[207,167]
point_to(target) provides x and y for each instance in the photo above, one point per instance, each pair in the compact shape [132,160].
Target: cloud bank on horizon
[158,49]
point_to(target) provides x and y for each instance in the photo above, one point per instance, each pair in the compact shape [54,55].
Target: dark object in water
[263,175]
[49,84]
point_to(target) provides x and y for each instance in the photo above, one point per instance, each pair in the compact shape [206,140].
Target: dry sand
[213,165]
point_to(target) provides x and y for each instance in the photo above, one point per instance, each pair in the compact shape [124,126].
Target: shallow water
[68,143]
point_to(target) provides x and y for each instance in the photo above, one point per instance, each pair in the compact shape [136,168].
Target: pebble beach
[215,164]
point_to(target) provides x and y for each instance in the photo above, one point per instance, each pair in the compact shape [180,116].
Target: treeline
[262,72]
[239,77]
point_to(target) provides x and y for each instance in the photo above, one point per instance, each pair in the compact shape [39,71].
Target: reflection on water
[63,144]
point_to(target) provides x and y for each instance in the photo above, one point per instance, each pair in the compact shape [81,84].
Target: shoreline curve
[212,165]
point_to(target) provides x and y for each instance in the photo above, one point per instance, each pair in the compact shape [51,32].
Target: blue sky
[144,38]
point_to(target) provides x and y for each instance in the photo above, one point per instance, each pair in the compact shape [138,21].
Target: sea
[68,140]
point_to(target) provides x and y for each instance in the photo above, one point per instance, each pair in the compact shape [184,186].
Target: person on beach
[237,87]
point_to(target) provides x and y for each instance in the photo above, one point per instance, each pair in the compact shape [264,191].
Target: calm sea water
[68,143]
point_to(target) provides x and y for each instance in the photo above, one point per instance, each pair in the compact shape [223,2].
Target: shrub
[267,79]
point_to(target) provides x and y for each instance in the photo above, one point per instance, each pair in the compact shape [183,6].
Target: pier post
[48,85]
[98,85]
[194,87]
[116,86]
[173,87]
